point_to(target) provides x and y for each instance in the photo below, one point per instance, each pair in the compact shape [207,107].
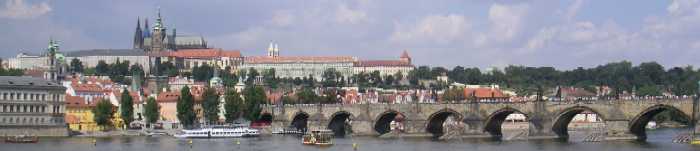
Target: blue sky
[479,33]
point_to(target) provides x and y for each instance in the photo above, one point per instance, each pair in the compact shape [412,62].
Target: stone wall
[44,131]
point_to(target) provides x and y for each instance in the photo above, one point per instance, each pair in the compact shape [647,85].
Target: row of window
[29,120]
[30,96]
[23,109]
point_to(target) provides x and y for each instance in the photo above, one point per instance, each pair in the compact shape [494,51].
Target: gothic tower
[51,73]
[159,34]
[138,35]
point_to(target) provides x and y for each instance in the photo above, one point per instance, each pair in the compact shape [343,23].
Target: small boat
[651,125]
[219,132]
[22,139]
[288,130]
[318,137]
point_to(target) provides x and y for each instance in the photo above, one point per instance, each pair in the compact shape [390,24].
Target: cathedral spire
[138,35]
[146,29]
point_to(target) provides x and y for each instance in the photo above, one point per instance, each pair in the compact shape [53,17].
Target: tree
[103,113]
[211,105]
[202,73]
[649,90]
[185,108]
[151,110]
[76,66]
[270,78]
[254,97]
[375,78]
[102,68]
[127,107]
[307,96]
[330,77]
[252,74]
[232,106]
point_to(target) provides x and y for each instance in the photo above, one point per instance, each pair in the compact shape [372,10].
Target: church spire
[146,29]
[138,35]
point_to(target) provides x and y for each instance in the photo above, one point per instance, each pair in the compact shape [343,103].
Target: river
[658,140]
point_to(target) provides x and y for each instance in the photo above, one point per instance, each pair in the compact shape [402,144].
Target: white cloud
[282,18]
[17,9]
[573,10]
[441,29]
[347,15]
[505,23]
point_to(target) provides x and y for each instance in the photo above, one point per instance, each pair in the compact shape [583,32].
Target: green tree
[330,77]
[202,73]
[185,108]
[103,113]
[270,78]
[254,97]
[211,105]
[102,68]
[232,106]
[252,74]
[151,110]
[76,66]
[307,96]
[126,107]
[649,90]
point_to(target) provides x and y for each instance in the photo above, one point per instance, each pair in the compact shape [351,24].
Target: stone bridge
[624,119]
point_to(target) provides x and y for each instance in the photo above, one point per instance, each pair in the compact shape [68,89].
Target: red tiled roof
[78,102]
[299,59]
[379,63]
[203,53]
[484,93]
[168,96]
[87,88]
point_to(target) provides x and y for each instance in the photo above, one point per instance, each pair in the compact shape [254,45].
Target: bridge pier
[618,130]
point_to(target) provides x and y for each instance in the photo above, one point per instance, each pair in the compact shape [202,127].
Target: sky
[474,33]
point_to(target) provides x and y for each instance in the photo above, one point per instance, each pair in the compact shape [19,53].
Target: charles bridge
[624,119]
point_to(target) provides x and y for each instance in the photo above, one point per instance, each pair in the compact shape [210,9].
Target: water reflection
[658,140]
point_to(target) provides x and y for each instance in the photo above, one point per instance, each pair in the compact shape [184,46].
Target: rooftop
[25,81]
[299,59]
[105,52]
[378,63]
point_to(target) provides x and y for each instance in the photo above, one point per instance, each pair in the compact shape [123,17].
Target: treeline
[648,78]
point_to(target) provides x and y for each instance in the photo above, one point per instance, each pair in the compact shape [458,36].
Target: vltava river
[658,140]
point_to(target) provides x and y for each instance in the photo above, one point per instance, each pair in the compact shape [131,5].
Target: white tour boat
[219,132]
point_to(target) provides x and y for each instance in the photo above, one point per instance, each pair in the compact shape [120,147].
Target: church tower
[273,50]
[138,35]
[159,34]
[270,50]
[277,51]
[405,57]
[51,73]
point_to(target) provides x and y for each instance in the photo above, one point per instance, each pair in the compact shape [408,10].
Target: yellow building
[79,114]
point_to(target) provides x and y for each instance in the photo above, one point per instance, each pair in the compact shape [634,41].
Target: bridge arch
[437,119]
[383,121]
[340,123]
[639,122]
[300,121]
[493,122]
[562,120]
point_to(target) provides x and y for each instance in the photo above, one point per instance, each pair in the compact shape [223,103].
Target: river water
[658,140]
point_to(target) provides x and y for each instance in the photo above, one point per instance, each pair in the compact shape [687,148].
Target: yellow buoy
[695,142]
[238,142]
[94,142]
[354,146]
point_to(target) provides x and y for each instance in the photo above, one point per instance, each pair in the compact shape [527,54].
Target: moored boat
[219,132]
[318,137]
[22,139]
